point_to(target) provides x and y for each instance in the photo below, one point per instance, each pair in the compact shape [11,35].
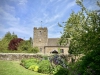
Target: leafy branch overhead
[83,28]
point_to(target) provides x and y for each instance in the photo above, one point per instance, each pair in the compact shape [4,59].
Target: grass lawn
[14,68]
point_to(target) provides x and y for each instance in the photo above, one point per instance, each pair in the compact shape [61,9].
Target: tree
[25,46]
[14,35]
[84,30]
[30,40]
[14,43]
[5,41]
[35,50]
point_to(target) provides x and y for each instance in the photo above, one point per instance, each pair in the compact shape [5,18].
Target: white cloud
[9,18]
[59,15]
[49,12]
[91,4]
[21,5]
[12,24]
[22,2]
[52,19]
[9,8]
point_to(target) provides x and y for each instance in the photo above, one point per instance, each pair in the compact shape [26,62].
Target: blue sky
[21,16]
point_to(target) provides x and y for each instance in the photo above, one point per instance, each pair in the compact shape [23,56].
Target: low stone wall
[17,56]
[20,56]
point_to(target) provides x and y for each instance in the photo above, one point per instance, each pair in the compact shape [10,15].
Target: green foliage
[45,57]
[84,31]
[35,65]
[29,62]
[59,50]
[61,71]
[33,68]
[83,28]
[91,63]
[25,46]
[44,66]
[98,3]
[75,68]
[88,65]
[35,50]
[5,41]
[14,43]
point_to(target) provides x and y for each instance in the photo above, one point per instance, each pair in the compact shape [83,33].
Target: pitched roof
[53,41]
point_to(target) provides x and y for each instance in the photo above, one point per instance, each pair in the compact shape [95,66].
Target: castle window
[61,50]
[40,49]
[40,33]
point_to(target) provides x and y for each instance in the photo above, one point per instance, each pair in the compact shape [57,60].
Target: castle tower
[40,38]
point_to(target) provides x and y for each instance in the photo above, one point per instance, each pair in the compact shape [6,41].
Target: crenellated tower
[40,38]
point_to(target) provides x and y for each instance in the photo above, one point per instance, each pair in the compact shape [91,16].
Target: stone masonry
[47,45]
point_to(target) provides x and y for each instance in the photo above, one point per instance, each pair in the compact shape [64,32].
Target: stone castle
[47,45]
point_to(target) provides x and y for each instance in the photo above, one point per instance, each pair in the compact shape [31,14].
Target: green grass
[14,68]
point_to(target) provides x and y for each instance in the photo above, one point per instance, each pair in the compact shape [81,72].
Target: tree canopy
[84,30]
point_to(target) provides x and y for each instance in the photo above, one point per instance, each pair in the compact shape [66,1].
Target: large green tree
[84,30]
[5,41]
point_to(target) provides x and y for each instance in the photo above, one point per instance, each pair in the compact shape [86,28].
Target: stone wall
[17,56]
[40,38]
[20,56]
[49,49]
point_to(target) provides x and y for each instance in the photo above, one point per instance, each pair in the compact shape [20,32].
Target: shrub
[14,43]
[62,71]
[45,57]
[44,66]
[89,64]
[36,68]
[75,69]
[33,68]
[29,62]
[56,69]
[36,65]
[35,50]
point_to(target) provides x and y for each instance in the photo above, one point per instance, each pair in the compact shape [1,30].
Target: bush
[89,64]
[35,50]
[29,62]
[34,68]
[56,69]
[14,43]
[62,71]
[36,65]
[44,66]
[75,69]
